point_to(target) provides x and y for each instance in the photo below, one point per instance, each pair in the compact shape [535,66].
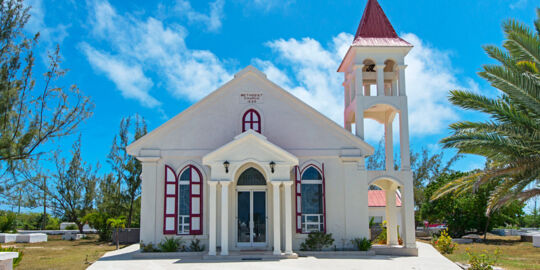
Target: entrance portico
[250,171]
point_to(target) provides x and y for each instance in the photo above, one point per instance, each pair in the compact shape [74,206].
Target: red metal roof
[377,198]
[375,29]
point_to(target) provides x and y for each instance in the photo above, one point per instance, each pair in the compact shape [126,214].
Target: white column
[407,214]
[380,80]
[277,223]
[404,137]
[394,87]
[212,217]
[288,216]
[388,143]
[402,91]
[358,80]
[148,199]
[225,217]
[359,117]
[391,215]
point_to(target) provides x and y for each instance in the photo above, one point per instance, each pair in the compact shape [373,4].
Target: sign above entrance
[251,98]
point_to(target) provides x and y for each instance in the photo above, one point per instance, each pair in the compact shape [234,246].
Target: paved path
[428,259]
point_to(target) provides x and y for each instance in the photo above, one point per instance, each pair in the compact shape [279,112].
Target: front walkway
[428,258]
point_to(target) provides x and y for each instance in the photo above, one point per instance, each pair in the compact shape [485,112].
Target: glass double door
[251,218]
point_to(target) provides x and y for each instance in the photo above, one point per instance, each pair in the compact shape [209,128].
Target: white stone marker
[31,238]
[7,237]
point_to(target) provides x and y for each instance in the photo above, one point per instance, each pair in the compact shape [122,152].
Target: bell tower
[374,71]
[374,82]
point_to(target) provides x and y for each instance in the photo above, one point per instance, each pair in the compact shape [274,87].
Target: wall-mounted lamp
[226,165]
[272,166]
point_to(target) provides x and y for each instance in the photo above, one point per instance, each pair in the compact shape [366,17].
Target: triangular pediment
[250,145]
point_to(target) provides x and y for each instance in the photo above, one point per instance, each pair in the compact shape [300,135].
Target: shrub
[71,227]
[17,260]
[316,241]
[98,221]
[171,244]
[381,239]
[7,222]
[362,244]
[482,261]
[195,246]
[148,247]
[444,243]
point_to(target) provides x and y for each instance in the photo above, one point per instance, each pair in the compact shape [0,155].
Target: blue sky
[157,58]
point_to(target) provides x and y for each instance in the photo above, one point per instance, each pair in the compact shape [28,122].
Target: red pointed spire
[374,23]
[375,28]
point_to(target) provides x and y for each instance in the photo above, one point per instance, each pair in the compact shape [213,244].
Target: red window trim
[175,195]
[244,121]
[191,196]
[298,191]
[299,194]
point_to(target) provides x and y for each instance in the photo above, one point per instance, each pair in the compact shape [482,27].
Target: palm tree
[510,138]
[117,223]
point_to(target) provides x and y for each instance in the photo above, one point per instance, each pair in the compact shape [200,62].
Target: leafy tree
[466,212]
[31,117]
[98,221]
[510,139]
[109,197]
[127,168]
[75,189]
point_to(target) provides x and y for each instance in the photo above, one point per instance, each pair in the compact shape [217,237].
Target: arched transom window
[310,200]
[251,120]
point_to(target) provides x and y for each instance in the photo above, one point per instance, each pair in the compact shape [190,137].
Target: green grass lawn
[59,254]
[513,253]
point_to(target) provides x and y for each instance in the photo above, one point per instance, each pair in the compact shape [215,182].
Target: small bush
[362,244]
[381,239]
[171,244]
[7,221]
[444,243]
[17,260]
[148,247]
[482,261]
[195,246]
[71,227]
[316,241]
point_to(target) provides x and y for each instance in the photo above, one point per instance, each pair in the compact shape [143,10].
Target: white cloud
[518,4]
[268,5]
[36,23]
[313,78]
[211,20]
[154,51]
[130,79]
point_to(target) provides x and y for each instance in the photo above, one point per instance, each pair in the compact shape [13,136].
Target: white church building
[252,167]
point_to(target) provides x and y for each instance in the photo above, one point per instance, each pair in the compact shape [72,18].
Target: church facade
[252,167]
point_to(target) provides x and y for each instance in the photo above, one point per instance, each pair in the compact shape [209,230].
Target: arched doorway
[251,209]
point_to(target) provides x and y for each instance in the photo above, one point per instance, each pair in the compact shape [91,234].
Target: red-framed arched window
[183,201]
[251,120]
[310,199]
